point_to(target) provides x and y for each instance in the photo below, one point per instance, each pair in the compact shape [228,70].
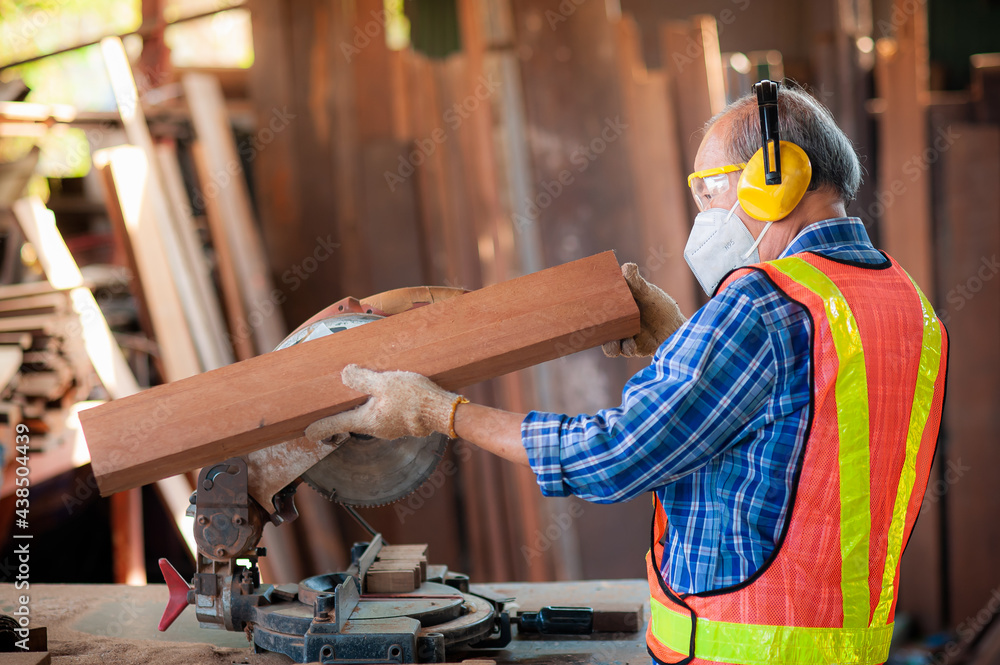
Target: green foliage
[37,27]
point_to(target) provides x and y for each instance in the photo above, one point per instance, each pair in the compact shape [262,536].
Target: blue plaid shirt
[714,425]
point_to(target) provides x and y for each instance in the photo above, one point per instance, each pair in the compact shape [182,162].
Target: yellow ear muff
[769,203]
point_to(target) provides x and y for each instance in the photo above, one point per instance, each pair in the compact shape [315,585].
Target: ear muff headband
[778,175]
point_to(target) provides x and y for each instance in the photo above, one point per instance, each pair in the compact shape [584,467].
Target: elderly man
[786,430]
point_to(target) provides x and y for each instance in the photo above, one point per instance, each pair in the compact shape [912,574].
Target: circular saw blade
[366,471]
[374,472]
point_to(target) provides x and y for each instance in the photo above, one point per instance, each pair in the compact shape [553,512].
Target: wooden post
[215,347]
[154,204]
[582,198]
[128,176]
[693,63]
[656,166]
[232,295]
[227,186]
[903,196]
[128,551]
[968,248]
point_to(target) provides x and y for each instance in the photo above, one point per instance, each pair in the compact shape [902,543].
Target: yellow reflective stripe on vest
[923,397]
[762,645]
[852,423]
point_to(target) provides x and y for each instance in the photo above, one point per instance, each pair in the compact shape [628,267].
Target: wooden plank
[229,280]
[10,362]
[411,553]
[128,174]
[273,398]
[986,86]
[126,250]
[47,323]
[902,77]
[389,579]
[391,229]
[657,169]
[143,189]
[582,200]
[494,150]
[213,345]
[23,340]
[278,174]
[8,291]
[50,385]
[60,268]
[227,186]
[691,58]
[39,227]
[968,249]
[127,548]
[374,102]
[54,301]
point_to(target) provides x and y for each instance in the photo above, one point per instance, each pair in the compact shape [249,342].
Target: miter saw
[337,617]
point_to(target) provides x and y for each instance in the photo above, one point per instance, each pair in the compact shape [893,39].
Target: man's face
[712,154]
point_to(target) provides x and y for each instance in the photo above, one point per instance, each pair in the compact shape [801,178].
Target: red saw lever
[178,594]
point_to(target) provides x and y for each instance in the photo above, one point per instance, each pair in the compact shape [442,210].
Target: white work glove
[401,404]
[659,317]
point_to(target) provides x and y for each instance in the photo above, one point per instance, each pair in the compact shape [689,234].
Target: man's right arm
[704,390]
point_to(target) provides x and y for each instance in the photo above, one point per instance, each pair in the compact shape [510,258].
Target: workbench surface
[116,625]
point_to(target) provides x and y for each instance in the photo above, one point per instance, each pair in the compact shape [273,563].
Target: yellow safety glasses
[710,183]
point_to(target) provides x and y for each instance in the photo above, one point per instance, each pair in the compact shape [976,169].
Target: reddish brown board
[265,400]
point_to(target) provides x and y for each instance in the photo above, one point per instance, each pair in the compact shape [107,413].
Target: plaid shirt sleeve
[705,385]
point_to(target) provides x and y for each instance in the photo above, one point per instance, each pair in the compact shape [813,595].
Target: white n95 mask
[720,242]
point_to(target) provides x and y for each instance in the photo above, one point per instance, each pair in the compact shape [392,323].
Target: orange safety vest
[827,593]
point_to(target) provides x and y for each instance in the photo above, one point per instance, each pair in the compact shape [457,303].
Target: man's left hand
[659,317]
[401,404]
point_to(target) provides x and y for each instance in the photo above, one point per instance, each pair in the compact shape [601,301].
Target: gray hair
[805,122]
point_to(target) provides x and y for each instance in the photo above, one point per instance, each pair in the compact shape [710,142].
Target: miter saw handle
[179,594]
